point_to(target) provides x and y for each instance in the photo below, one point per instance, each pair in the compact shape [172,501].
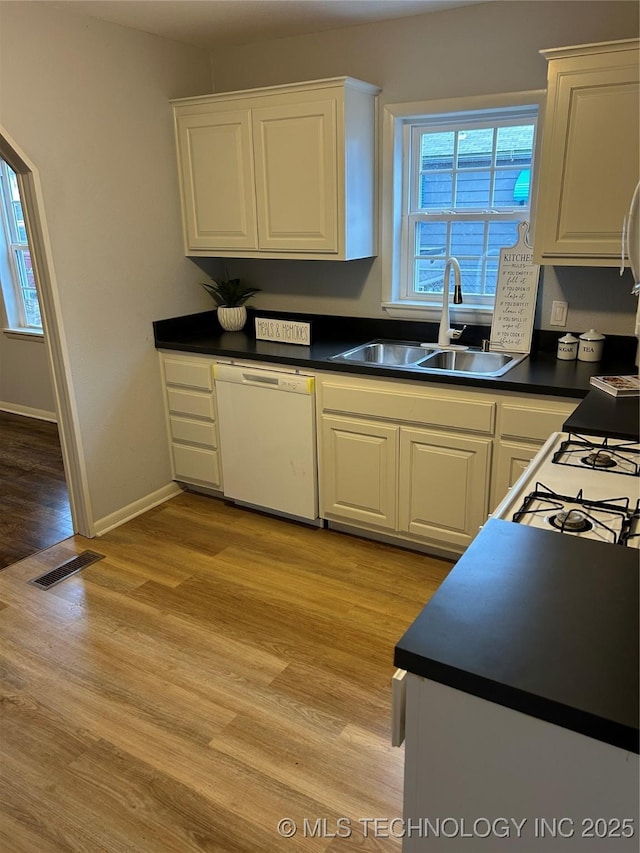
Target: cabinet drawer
[442,411]
[190,373]
[536,424]
[196,465]
[193,432]
[191,403]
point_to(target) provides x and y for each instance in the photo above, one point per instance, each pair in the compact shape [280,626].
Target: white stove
[582,486]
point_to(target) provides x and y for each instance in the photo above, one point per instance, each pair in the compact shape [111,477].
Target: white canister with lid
[567,347]
[590,347]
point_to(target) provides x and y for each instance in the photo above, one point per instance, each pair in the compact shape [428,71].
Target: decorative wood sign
[283,331]
[516,296]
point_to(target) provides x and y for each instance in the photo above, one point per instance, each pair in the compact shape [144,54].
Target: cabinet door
[443,486]
[217,180]
[590,158]
[359,471]
[513,457]
[296,177]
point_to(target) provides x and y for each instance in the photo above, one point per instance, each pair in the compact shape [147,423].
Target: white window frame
[396,119]
[10,246]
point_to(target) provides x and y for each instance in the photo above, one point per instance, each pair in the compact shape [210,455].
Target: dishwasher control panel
[292,383]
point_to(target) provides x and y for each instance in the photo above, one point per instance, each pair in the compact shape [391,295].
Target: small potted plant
[230,296]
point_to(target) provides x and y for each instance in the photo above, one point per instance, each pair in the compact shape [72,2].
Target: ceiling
[213,23]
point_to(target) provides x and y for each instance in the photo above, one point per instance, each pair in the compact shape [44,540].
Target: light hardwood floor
[219,671]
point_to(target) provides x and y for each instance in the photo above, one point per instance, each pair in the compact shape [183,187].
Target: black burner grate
[617,457]
[544,500]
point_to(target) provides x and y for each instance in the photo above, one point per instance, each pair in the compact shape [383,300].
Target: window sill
[24,334]
[480,315]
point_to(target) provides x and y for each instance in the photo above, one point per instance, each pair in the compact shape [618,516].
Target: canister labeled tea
[590,346]
[567,347]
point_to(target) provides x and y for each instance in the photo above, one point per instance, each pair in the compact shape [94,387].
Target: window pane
[16,219]
[471,271]
[504,191]
[514,145]
[467,238]
[428,276]
[19,234]
[502,234]
[28,287]
[436,150]
[472,189]
[435,190]
[490,278]
[431,238]
[522,187]
[475,148]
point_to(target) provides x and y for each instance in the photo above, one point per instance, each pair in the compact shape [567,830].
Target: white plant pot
[232,319]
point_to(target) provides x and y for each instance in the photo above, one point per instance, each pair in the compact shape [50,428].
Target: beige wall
[88,103]
[470,50]
[25,377]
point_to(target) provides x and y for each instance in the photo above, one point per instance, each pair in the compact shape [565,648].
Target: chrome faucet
[445,333]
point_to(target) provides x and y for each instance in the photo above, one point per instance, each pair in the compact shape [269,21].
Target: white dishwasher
[268,439]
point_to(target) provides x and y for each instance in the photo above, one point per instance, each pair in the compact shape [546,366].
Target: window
[461,183]
[16,271]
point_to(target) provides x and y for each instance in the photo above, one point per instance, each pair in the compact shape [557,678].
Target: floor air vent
[72,566]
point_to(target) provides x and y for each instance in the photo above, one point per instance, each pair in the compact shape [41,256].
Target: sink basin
[409,355]
[470,361]
[383,353]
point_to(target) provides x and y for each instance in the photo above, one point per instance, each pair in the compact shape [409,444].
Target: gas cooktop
[584,487]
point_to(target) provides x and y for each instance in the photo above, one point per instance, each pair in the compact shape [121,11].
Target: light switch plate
[559,313]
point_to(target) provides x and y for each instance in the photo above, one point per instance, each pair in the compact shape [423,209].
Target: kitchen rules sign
[516,295]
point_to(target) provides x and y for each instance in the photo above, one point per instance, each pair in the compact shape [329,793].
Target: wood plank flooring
[217,672]
[34,502]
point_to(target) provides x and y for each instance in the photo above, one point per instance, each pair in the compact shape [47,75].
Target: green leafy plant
[230,293]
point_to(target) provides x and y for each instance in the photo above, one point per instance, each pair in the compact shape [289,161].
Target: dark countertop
[540,373]
[603,414]
[539,622]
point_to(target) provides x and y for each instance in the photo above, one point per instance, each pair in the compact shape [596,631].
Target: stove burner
[571,520]
[611,521]
[600,459]
[616,457]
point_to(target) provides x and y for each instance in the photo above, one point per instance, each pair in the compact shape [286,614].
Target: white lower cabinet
[512,459]
[443,483]
[382,468]
[430,485]
[424,464]
[191,418]
[474,769]
[360,471]
[523,427]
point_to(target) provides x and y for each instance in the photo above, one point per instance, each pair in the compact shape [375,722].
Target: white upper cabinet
[216,173]
[590,153]
[286,171]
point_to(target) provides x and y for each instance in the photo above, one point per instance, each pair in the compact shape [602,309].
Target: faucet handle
[456,333]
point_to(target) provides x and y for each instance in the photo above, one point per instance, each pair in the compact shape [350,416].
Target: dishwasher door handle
[250,378]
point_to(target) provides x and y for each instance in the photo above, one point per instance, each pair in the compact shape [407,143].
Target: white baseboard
[28,411]
[115,519]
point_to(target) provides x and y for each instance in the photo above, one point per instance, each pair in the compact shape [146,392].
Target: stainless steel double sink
[430,358]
